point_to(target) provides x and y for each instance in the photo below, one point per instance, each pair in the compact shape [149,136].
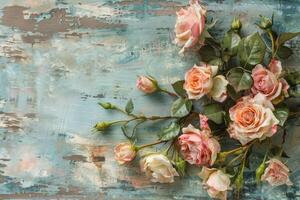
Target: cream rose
[199,80]
[267,81]
[252,118]
[198,147]
[124,153]
[189,25]
[219,89]
[276,173]
[159,168]
[146,84]
[216,182]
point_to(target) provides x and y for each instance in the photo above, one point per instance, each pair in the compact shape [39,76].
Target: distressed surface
[58,58]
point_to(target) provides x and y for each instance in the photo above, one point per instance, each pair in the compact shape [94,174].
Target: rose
[267,82]
[252,118]
[216,182]
[124,153]
[199,80]
[159,168]
[276,173]
[189,25]
[146,84]
[219,89]
[198,147]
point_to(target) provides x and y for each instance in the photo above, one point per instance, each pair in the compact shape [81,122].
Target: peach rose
[198,147]
[146,84]
[124,153]
[199,80]
[159,168]
[267,82]
[189,25]
[276,173]
[252,118]
[216,182]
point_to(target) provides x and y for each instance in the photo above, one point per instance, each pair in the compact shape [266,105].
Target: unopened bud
[236,24]
[102,126]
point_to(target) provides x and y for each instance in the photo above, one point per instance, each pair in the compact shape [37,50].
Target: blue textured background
[58,58]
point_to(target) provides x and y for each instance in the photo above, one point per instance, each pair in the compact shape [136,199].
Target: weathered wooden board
[58,58]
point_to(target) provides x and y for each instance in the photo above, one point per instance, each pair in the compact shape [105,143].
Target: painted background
[58,58]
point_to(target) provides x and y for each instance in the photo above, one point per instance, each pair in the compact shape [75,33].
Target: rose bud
[102,126]
[236,25]
[146,84]
[124,153]
[276,173]
[189,25]
[107,105]
[265,22]
[216,182]
[159,168]
[198,147]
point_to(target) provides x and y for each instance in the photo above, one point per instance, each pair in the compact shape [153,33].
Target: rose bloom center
[246,116]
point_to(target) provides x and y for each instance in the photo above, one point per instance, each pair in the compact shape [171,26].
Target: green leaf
[180,165]
[278,151]
[239,79]
[292,77]
[232,93]
[281,113]
[207,53]
[295,90]
[251,50]
[181,107]
[284,52]
[214,112]
[283,37]
[129,107]
[216,62]
[230,42]
[169,132]
[178,88]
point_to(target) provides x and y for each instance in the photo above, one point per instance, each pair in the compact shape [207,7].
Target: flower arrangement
[245,94]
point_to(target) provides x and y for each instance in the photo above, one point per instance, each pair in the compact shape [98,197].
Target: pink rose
[189,25]
[204,122]
[124,153]
[216,182]
[267,82]
[146,84]
[198,147]
[276,173]
[198,81]
[252,118]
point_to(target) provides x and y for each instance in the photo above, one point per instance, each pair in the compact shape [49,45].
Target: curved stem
[273,43]
[168,92]
[150,144]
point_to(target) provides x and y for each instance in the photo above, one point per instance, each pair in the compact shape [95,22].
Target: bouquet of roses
[245,95]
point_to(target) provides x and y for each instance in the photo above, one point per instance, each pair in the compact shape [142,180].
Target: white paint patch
[25,165]
[94,10]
